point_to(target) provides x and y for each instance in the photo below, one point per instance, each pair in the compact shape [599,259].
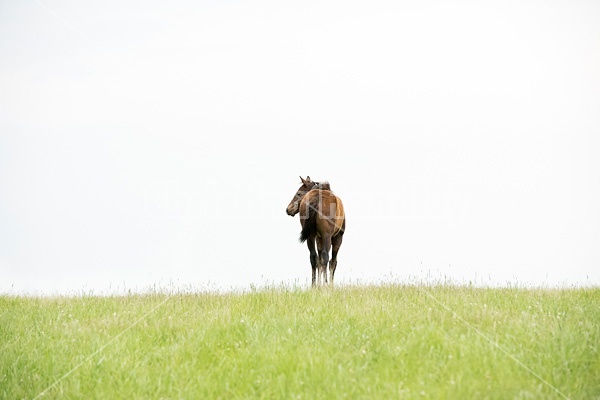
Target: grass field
[353,342]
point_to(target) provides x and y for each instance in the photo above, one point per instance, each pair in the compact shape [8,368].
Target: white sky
[158,143]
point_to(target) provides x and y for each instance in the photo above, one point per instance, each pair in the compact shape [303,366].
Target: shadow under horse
[323,224]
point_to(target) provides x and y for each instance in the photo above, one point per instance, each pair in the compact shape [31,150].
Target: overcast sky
[157,144]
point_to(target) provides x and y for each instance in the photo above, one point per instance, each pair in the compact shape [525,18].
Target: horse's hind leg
[313,257]
[324,257]
[336,242]
[318,268]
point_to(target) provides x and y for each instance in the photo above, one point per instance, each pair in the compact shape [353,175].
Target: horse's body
[323,224]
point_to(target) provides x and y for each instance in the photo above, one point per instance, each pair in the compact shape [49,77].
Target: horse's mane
[323,185]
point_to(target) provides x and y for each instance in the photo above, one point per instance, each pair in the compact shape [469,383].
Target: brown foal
[323,224]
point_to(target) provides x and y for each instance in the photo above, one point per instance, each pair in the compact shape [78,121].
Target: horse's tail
[309,227]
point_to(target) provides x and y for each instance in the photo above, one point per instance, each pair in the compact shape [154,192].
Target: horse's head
[307,185]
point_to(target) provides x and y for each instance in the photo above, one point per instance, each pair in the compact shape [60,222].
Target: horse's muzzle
[292,209]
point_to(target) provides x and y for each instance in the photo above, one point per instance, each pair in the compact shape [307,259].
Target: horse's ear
[306,181]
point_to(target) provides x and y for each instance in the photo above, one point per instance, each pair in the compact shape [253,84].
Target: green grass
[353,342]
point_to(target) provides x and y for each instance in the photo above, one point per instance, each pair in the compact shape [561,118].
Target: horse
[323,224]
